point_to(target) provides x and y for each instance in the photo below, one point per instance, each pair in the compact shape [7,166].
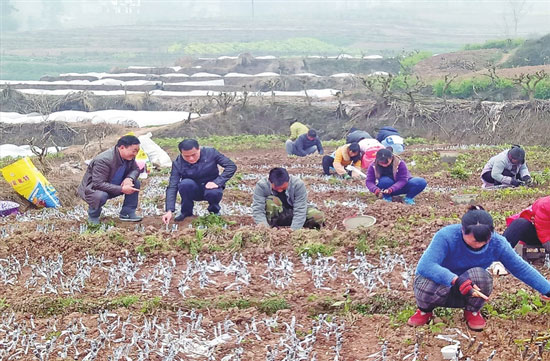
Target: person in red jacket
[531,226]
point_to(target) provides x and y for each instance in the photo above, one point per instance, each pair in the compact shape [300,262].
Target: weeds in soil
[151,305]
[193,245]
[118,238]
[512,305]
[272,305]
[230,143]
[427,162]
[401,317]
[315,249]
[3,304]
[211,221]
[150,243]
[124,301]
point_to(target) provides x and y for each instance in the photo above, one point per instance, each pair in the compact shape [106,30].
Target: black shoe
[132,217]
[180,217]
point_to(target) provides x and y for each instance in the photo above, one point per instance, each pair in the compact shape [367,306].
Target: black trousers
[522,229]
[328,161]
[507,173]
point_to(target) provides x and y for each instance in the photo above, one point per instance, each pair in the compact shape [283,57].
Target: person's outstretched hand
[167,217]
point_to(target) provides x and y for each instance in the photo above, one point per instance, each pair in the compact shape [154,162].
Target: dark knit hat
[383,155]
[517,153]
[354,147]
[312,133]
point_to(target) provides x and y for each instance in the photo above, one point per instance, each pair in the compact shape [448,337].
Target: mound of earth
[462,62]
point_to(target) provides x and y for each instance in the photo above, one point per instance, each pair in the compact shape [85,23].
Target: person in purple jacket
[388,176]
[452,272]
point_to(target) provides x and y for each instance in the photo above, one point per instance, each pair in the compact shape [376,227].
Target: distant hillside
[532,52]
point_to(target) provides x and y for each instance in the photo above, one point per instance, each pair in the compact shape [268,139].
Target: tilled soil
[326,310]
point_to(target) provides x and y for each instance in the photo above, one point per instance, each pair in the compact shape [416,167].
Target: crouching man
[281,200]
[196,177]
[111,174]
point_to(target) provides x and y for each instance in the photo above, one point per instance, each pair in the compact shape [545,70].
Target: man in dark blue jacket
[196,177]
[306,144]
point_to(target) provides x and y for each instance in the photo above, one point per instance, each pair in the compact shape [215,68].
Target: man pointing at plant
[195,176]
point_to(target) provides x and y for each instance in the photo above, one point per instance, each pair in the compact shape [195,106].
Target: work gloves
[515,182]
[465,285]
[527,180]
[377,192]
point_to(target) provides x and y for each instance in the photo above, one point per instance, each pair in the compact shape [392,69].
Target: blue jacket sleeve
[429,265]
[172,189]
[319,146]
[229,169]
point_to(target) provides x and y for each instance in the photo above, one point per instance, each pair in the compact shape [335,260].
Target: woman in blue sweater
[452,272]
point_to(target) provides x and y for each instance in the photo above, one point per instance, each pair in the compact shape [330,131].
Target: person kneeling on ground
[531,226]
[196,177]
[306,144]
[390,138]
[355,136]
[506,168]
[388,176]
[452,272]
[111,174]
[348,154]
[281,200]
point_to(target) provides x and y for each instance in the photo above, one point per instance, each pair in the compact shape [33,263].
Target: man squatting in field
[281,200]
[111,174]
[196,177]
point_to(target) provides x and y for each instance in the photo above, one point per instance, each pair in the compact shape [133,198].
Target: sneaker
[93,220]
[474,320]
[420,318]
[387,198]
[131,217]
[409,201]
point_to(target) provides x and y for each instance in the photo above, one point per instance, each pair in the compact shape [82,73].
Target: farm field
[221,288]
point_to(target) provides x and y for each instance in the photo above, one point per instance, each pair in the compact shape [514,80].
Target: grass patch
[505,44]
[151,305]
[124,301]
[150,243]
[284,47]
[315,249]
[230,142]
[272,305]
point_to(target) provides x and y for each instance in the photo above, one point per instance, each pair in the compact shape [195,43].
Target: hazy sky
[504,17]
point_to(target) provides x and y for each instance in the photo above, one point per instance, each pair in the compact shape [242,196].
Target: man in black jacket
[111,174]
[196,177]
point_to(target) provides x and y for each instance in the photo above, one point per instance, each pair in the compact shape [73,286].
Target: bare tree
[516,10]
[528,82]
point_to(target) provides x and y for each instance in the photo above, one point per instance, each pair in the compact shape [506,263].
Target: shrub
[414,58]
[496,44]
[542,90]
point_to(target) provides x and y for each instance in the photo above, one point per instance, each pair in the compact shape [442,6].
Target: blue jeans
[414,186]
[289,146]
[128,206]
[191,191]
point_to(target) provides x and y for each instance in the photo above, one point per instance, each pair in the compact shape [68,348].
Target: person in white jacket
[506,168]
